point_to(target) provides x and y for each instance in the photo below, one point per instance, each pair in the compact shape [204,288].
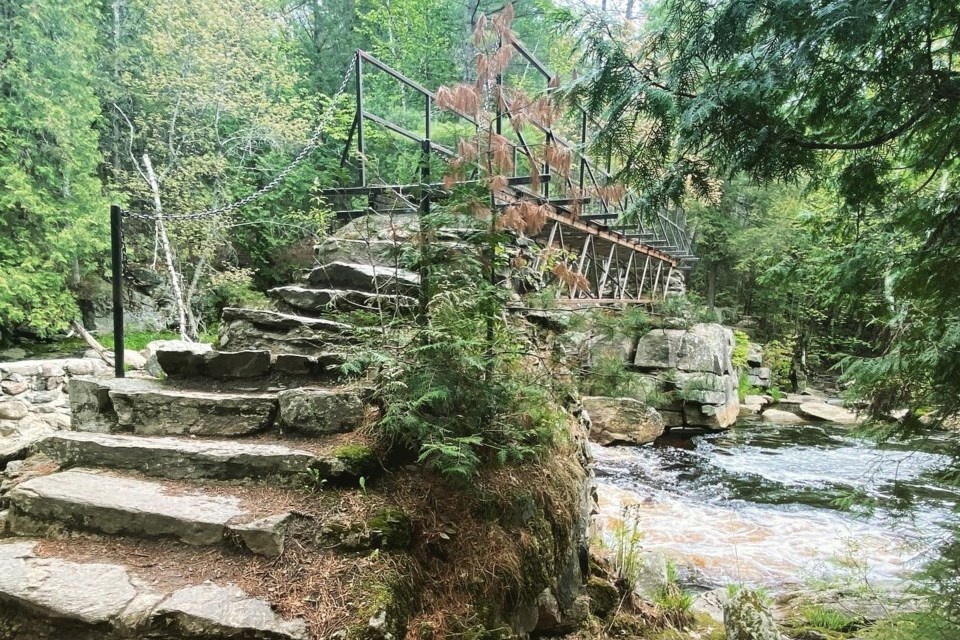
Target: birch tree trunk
[167,251]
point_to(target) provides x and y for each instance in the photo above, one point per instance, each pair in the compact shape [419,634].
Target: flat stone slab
[325,300]
[209,610]
[97,598]
[364,277]
[276,320]
[98,501]
[187,363]
[148,407]
[93,594]
[828,412]
[179,458]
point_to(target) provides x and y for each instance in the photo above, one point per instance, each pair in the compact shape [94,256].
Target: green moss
[359,458]
[393,527]
[603,596]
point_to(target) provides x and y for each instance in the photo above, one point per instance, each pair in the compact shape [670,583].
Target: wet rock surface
[622,421]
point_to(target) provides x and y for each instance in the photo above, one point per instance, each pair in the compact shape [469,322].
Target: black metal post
[359,78]
[116,250]
[424,212]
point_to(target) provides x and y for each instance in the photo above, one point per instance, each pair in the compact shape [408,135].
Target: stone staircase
[238,452]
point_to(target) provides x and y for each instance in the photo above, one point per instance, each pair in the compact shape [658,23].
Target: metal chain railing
[308,148]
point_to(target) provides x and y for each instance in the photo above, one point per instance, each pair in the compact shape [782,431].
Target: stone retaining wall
[34,400]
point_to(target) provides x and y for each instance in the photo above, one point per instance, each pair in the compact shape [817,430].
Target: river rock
[13,387]
[828,412]
[12,409]
[782,417]
[747,617]
[622,420]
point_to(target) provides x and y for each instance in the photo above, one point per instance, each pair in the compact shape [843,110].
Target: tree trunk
[167,251]
[712,269]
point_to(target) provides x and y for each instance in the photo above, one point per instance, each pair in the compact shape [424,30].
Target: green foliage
[138,340]
[233,288]
[457,388]
[828,618]
[741,349]
[53,219]
[627,552]
[675,602]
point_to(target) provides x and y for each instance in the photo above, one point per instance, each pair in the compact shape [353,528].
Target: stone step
[364,277]
[148,407]
[181,458]
[189,363]
[326,300]
[258,329]
[50,598]
[183,361]
[89,500]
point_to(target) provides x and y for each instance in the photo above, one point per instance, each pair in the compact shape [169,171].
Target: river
[758,504]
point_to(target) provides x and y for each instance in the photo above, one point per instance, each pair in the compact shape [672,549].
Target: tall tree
[862,95]
[53,220]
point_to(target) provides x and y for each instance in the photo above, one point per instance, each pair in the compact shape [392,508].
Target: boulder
[133,359]
[705,388]
[778,416]
[712,416]
[754,355]
[747,617]
[320,411]
[828,412]
[325,300]
[622,420]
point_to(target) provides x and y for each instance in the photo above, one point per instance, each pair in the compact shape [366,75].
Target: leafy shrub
[232,287]
[457,388]
[741,349]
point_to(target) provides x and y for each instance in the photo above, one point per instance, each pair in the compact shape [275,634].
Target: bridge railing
[586,185]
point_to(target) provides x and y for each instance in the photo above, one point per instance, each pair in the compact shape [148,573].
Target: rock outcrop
[699,360]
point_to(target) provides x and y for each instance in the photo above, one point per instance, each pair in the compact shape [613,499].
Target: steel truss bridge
[622,263]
